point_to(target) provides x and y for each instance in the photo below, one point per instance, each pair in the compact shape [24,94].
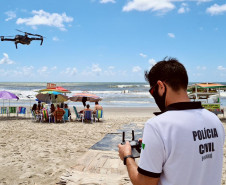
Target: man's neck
[176,97]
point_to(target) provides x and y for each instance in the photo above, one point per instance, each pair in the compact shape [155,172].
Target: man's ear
[161,87]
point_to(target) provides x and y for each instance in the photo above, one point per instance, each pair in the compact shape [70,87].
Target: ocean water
[113,94]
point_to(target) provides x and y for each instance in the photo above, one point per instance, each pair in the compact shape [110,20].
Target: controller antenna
[132,135]
[123,136]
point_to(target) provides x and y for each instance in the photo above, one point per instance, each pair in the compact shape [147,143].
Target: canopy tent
[5,95]
[208,85]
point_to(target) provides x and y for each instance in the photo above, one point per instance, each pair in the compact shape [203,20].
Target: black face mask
[160,100]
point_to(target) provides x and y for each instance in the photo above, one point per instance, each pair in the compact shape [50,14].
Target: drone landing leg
[16,45]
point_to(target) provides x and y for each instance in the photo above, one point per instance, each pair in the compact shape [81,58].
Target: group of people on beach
[53,111]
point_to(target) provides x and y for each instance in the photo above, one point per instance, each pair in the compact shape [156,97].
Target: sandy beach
[40,153]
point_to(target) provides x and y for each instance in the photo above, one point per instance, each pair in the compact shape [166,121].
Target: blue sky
[112,40]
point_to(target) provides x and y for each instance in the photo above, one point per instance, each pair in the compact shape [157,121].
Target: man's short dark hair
[96,103]
[170,71]
[87,106]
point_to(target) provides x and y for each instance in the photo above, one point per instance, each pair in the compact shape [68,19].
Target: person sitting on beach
[97,107]
[66,107]
[39,108]
[52,110]
[87,108]
[34,108]
[58,112]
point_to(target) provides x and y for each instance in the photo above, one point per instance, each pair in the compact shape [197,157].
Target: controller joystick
[135,145]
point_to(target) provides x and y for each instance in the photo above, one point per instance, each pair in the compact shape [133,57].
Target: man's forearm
[132,170]
[137,178]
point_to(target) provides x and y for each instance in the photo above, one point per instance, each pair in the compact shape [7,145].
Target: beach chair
[21,110]
[36,117]
[4,110]
[45,115]
[78,116]
[98,115]
[59,116]
[88,116]
[67,117]
[12,110]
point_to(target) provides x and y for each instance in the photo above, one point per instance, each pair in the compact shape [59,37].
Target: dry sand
[39,153]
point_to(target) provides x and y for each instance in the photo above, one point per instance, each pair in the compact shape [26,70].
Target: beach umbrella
[5,95]
[56,89]
[85,96]
[51,98]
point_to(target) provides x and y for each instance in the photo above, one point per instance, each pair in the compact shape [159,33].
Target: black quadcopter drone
[23,39]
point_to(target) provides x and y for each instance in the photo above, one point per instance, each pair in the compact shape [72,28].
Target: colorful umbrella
[5,95]
[79,97]
[56,89]
[51,98]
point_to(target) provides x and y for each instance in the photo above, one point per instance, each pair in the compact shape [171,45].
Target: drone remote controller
[135,145]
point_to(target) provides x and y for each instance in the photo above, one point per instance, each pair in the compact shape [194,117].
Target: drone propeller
[20,31]
[30,33]
[7,36]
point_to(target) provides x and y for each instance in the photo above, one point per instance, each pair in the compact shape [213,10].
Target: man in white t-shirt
[183,145]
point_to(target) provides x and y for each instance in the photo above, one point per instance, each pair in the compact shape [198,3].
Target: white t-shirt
[183,147]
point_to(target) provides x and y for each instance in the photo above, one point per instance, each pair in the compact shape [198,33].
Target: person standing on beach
[182,145]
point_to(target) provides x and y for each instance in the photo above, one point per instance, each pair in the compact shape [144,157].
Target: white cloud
[216,9]
[152,62]
[54,68]
[203,1]
[56,39]
[183,9]
[70,71]
[107,1]
[162,6]
[136,69]
[27,70]
[201,68]
[171,35]
[43,70]
[96,68]
[11,15]
[6,60]
[221,68]
[109,71]
[143,55]
[111,67]
[44,18]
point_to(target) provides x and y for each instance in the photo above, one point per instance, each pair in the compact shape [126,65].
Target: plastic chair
[37,117]
[98,115]
[4,110]
[59,115]
[21,110]
[88,116]
[45,115]
[78,116]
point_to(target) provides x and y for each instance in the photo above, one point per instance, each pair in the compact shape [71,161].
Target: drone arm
[41,39]
[8,39]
